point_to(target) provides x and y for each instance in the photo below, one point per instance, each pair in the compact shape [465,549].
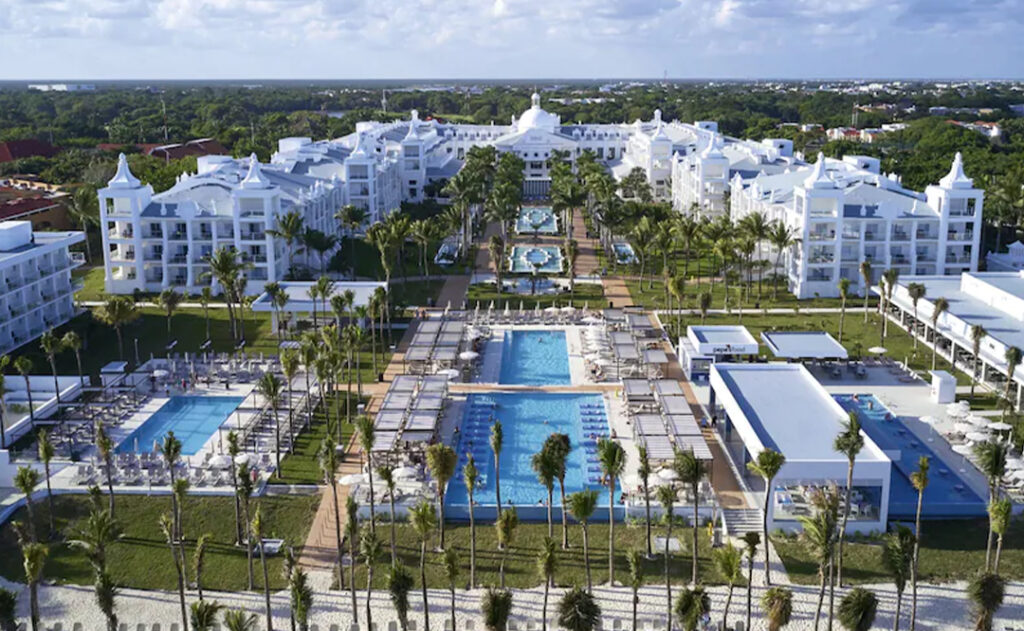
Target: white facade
[846,211]
[152,242]
[36,292]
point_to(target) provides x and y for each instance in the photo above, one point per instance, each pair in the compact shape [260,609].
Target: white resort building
[36,292]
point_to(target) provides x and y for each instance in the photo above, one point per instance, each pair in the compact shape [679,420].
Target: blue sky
[366,39]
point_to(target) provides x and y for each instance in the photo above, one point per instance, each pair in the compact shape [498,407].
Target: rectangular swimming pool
[527,420]
[535,358]
[192,419]
[946,495]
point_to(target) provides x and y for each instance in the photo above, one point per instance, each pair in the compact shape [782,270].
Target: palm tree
[505,529]
[986,592]
[1013,359]
[991,459]
[205,298]
[450,561]
[750,542]
[691,471]
[703,304]
[329,469]
[916,292]
[727,560]
[169,300]
[423,518]
[73,342]
[46,454]
[919,480]
[578,611]
[999,514]
[939,306]
[400,583]
[352,533]
[782,238]
[365,433]
[226,270]
[471,477]
[34,558]
[8,610]
[98,534]
[667,495]
[819,534]
[612,458]
[203,614]
[643,472]
[547,564]
[83,210]
[496,248]
[635,562]
[234,449]
[865,275]
[199,560]
[692,605]
[116,312]
[387,475]
[300,596]
[497,438]
[844,293]
[441,461]
[244,492]
[889,279]
[766,465]
[848,442]
[370,547]
[857,610]
[23,365]
[572,253]
[581,505]
[898,558]
[977,333]
[496,606]
[289,228]
[543,464]
[51,345]
[256,532]
[270,387]
[239,620]
[168,525]
[4,360]
[559,447]
[777,604]
[26,480]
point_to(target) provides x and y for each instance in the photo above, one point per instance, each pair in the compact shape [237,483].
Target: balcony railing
[900,236]
[254,236]
[927,235]
[821,236]
[178,235]
[960,236]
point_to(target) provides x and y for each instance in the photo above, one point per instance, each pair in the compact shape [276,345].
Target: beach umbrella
[222,461]
[929,420]
[476,311]
[963,450]
[243,458]
[468,355]
[536,309]
[668,474]
[508,312]
[160,373]
[978,437]
[963,428]
[490,308]
[586,305]
[1000,426]
[551,309]
[522,308]
[979,421]
[591,320]
[569,309]
[955,409]
[603,361]
[451,373]
[878,350]
[352,478]
[406,472]
[630,480]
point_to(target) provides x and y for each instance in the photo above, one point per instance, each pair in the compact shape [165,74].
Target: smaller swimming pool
[535,358]
[546,258]
[539,219]
[192,419]
[624,254]
[947,495]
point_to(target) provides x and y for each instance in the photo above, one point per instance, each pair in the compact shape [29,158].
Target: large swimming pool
[535,358]
[192,419]
[527,420]
[946,495]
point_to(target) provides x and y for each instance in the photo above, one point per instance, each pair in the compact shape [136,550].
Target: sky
[458,39]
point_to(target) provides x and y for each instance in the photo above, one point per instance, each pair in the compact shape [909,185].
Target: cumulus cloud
[521,38]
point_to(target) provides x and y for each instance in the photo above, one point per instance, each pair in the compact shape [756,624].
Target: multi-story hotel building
[36,292]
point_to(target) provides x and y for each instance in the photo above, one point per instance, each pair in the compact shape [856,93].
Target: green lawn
[142,559]
[950,550]
[585,292]
[520,568]
[92,283]
[303,466]
[652,295]
[367,261]
[415,293]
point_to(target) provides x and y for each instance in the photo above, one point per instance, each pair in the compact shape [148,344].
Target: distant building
[62,87]
[843,133]
[990,130]
[36,292]
[1011,260]
[174,151]
[12,150]
[28,198]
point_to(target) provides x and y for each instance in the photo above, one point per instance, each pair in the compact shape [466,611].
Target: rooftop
[788,410]
[803,345]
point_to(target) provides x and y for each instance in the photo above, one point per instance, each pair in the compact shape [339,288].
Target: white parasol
[451,373]
[160,373]
[929,420]
[468,355]
[569,309]
[591,320]
[551,309]
[352,478]
[1000,426]
[668,474]
[978,437]
[963,450]
[963,428]
[222,461]
[244,458]
[406,472]
[977,421]
[603,361]
[878,350]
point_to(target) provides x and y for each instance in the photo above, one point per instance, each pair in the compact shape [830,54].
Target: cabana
[675,405]
[667,388]
[389,420]
[804,345]
[650,425]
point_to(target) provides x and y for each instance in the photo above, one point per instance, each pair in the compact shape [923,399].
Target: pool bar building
[783,407]
[704,345]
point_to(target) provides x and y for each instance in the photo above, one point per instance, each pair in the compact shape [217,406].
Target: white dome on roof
[537,118]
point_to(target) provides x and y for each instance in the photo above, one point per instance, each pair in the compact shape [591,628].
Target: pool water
[543,217]
[192,419]
[523,258]
[527,420]
[947,495]
[535,358]
[624,253]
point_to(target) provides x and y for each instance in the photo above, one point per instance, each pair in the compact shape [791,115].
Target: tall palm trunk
[842,527]
[913,563]
[472,544]
[668,579]
[394,553]
[266,587]
[352,578]
[423,584]
[586,557]
[611,531]
[337,536]
[821,595]
[248,546]
[696,517]
[565,523]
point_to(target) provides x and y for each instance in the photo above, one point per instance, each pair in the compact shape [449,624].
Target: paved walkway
[454,291]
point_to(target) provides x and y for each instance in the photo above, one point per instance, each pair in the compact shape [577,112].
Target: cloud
[517,38]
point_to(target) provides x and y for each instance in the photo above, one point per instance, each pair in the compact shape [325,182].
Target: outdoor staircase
[739,521]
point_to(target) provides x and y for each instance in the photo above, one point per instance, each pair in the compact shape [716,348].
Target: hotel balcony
[960,236]
[900,235]
[821,236]
[926,235]
[178,235]
[124,233]
[178,259]
[254,236]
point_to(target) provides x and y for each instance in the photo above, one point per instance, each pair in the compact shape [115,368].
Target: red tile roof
[16,149]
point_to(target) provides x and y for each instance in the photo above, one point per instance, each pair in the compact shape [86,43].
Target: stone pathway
[454,291]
